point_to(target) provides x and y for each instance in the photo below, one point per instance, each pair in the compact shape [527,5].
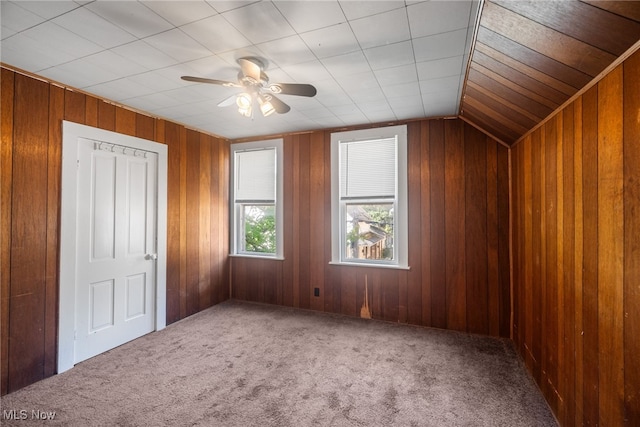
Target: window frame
[400,202]
[235,207]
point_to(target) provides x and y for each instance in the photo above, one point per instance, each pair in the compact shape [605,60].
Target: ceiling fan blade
[212,81]
[278,105]
[250,69]
[228,101]
[293,89]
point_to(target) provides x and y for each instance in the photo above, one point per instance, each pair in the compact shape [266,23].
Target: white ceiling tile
[6,32]
[177,112]
[118,90]
[407,102]
[152,101]
[354,119]
[143,54]
[391,55]
[48,9]
[311,15]
[331,41]
[367,95]
[159,80]
[401,90]
[287,51]
[57,38]
[340,110]
[330,93]
[191,94]
[440,68]
[216,33]
[397,75]
[356,82]
[131,16]
[345,65]
[409,113]
[355,9]
[328,122]
[379,116]
[445,107]
[451,83]
[436,17]
[15,18]
[92,27]
[178,45]
[79,74]
[223,6]
[473,19]
[211,110]
[375,107]
[49,44]
[331,99]
[181,12]
[382,29]
[260,22]
[211,66]
[312,71]
[301,103]
[317,113]
[440,46]
[115,64]
[40,57]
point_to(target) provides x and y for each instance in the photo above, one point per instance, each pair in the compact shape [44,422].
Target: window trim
[234,247]
[401,226]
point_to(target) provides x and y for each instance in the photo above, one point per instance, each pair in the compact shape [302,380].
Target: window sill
[366,265]
[274,258]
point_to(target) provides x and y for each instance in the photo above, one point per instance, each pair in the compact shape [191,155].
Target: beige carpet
[242,364]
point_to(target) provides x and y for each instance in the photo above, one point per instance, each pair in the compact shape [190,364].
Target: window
[369,197]
[256,206]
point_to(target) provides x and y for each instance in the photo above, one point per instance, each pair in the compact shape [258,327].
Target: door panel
[136,207]
[103,211]
[101,306]
[136,296]
[116,231]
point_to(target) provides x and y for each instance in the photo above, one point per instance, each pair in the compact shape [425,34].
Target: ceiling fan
[256,87]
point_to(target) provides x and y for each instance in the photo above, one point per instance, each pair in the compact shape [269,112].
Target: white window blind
[255,176]
[368,168]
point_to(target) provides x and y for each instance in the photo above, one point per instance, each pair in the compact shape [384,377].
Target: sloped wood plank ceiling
[532,56]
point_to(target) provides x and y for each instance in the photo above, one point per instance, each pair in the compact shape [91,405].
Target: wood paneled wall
[30,161]
[458,224]
[576,245]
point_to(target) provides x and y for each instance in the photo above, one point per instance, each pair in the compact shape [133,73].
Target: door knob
[151,256]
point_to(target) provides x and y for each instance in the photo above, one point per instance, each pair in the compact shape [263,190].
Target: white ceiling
[371,61]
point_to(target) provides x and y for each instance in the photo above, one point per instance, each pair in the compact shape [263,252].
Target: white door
[116,246]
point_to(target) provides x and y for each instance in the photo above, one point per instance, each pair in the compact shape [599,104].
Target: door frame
[71,134]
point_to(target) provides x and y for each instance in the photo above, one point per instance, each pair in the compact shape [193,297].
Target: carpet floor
[243,364]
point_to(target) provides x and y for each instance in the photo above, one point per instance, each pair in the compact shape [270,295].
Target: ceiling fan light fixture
[265,105]
[246,112]
[244,102]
